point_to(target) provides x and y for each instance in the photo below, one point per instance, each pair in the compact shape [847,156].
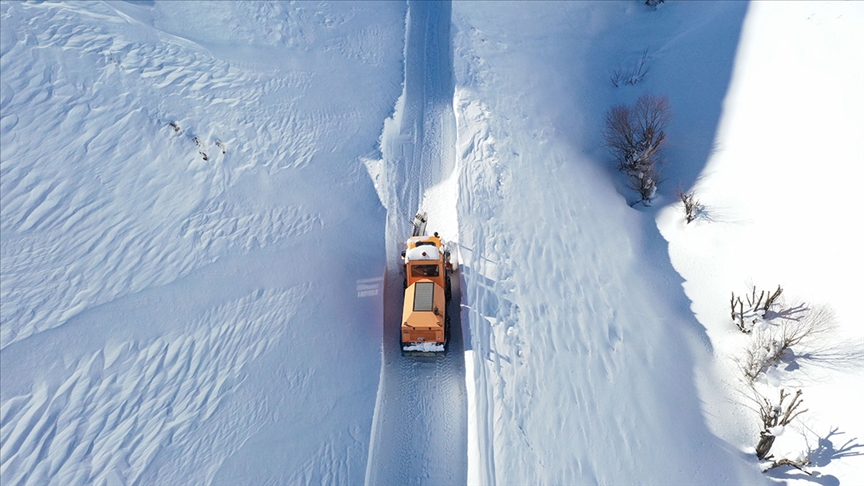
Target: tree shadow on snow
[820,456]
[688,52]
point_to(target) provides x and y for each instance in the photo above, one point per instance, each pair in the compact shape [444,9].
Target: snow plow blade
[415,350]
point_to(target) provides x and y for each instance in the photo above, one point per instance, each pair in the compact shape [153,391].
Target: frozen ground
[214,301]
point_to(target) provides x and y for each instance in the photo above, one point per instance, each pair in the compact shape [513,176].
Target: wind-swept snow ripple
[117,407]
[118,144]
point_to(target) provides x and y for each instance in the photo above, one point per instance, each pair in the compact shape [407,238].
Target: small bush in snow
[772,341]
[635,136]
[774,419]
[653,3]
[632,76]
[755,307]
[692,206]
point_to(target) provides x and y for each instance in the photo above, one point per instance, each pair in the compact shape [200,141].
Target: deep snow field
[202,206]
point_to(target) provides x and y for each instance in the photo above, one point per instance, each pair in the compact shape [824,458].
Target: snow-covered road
[420,425]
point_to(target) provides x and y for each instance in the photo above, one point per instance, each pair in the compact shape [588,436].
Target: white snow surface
[168,319]
[600,349]
[203,205]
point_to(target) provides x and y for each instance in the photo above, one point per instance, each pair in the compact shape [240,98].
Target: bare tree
[635,136]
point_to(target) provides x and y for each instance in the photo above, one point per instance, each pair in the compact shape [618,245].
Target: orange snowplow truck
[425,323]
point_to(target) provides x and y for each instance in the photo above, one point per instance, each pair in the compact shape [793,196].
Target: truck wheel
[448,294]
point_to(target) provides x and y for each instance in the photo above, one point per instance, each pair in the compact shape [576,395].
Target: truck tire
[448,294]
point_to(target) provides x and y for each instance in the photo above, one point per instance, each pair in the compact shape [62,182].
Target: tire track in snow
[419,433]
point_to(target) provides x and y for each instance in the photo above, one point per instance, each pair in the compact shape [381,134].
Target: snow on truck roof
[425,252]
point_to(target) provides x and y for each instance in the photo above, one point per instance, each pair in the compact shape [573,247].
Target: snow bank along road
[582,347]
[420,425]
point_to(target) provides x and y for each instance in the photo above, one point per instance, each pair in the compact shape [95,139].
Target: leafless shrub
[635,135]
[738,316]
[773,418]
[772,342]
[632,76]
[756,307]
[653,3]
[692,206]
[768,297]
[763,352]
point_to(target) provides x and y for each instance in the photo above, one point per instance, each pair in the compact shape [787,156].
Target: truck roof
[424,252]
